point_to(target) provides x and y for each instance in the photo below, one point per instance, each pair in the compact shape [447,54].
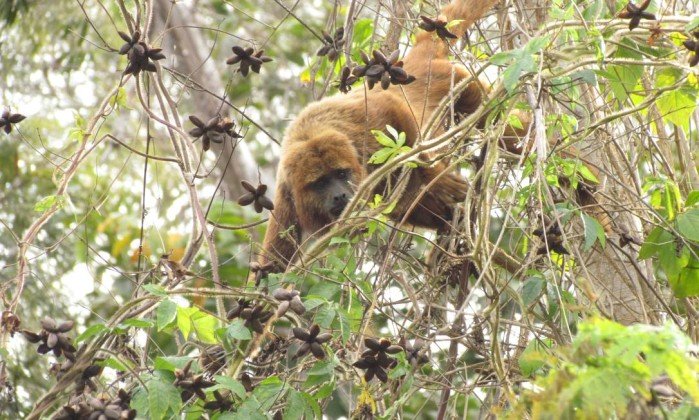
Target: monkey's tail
[466,12]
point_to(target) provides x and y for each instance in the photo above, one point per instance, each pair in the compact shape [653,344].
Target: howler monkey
[326,148]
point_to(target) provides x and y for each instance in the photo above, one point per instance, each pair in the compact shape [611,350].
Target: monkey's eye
[320,183]
[342,174]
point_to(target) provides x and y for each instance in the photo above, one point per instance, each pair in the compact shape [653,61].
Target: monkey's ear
[283,231]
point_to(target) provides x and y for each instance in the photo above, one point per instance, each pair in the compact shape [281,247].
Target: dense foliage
[138,146]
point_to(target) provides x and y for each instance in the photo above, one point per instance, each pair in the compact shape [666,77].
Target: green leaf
[231,384]
[201,323]
[692,25]
[322,372]
[381,156]
[536,44]
[670,262]
[268,391]
[622,79]
[656,239]
[184,320]
[155,289]
[587,174]
[205,327]
[522,64]
[514,122]
[91,331]
[531,290]
[688,224]
[593,232]
[165,313]
[312,403]
[325,316]
[116,364]
[238,331]
[163,399]
[137,323]
[692,199]
[48,202]
[296,406]
[119,98]
[384,139]
[687,283]
[534,356]
[170,363]
[677,106]
[335,240]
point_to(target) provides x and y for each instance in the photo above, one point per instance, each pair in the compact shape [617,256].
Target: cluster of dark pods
[191,384]
[384,70]
[215,130]
[375,360]
[8,119]
[87,407]
[254,316]
[312,341]
[52,337]
[141,56]
[248,59]
[635,13]
[288,299]
[437,25]
[255,196]
[332,45]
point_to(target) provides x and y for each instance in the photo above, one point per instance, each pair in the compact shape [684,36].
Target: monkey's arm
[427,47]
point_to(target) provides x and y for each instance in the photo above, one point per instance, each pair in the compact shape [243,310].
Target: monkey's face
[322,173]
[334,191]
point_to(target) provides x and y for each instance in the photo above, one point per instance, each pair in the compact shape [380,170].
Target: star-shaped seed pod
[248,59]
[380,349]
[53,338]
[332,45]
[86,381]
[7,119]
[131,41]
[438,25]
[255,196]
[9,322]
[347,79]
[103,409]
[261,271]
[636,13]
[85,406]
[191,384]
[386,70]
[360,70]
[238,308]
[372,368]
[692,46]
[215,130]
[220,403]
[141,57]
[415,353]
[255,318]
[312,341]
[288,299]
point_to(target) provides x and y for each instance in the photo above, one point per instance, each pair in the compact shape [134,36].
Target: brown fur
[336,133]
